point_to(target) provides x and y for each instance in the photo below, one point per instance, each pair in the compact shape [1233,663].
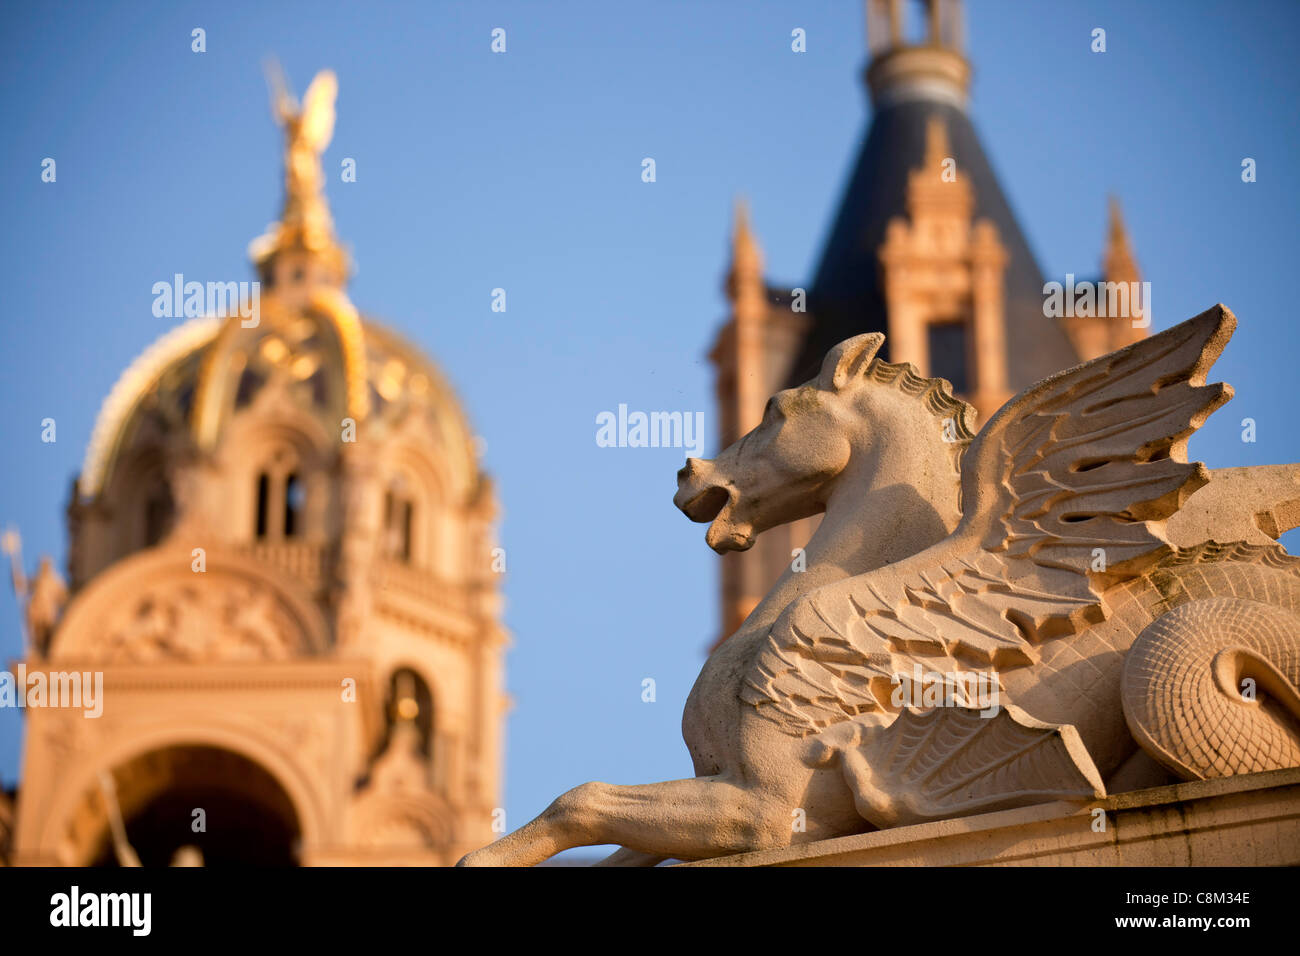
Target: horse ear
[849,359]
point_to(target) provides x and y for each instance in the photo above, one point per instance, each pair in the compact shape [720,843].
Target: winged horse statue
[1131,635]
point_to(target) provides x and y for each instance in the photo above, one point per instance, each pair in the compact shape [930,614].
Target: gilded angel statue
[308,130]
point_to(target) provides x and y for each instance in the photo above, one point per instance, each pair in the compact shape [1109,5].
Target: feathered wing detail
[1065,492]
[952,761]
[1096,457]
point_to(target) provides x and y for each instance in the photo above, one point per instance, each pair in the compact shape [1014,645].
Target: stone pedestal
[1249,820]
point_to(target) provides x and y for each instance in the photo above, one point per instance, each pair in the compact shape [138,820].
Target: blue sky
[522,171]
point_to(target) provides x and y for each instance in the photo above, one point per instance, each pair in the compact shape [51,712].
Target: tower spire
[918,57]
[750,311]
[746,256]
[745,286]
[1118,263]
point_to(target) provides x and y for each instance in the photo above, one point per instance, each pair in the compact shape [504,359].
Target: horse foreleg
[684,819]
[625,857]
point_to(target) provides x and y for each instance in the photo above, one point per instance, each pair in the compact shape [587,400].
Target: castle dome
[333,363]
[282,423]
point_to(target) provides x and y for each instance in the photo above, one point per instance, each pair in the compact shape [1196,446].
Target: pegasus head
[786,467]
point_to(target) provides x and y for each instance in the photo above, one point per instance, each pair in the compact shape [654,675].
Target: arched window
[158,513]
[949,346]
[399,521]
[409,700]
[293,502]
[263,503]
[284,491]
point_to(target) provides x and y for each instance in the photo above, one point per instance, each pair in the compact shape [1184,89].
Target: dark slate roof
[847,298]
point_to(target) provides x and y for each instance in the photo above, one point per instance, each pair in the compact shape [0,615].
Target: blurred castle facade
[281,559]
[925,248]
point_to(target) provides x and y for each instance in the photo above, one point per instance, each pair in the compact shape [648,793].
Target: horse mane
[935,395]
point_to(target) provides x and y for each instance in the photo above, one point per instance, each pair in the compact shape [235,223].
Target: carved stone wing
[950,762]
[1096,457]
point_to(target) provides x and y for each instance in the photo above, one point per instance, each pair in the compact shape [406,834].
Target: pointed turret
[1107,322]
[745,286]
[923,247]
[1118,263]
[919,82]
[749,309]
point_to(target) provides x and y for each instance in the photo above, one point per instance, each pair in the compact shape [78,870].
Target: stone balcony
[411,587]
[402,579]
[309,563]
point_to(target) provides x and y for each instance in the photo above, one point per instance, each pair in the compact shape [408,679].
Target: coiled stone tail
[1209,688]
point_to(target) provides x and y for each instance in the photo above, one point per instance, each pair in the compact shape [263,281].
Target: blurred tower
[923,247]
[1097,334]
[282,561]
